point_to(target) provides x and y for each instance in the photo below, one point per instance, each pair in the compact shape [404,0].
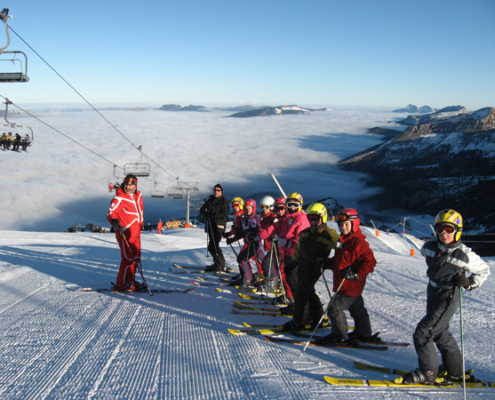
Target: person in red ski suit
[126,216]
[287,231]
[352,263]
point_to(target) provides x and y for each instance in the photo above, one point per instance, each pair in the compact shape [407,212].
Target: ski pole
[140,268]
[323,316]
[280,280]
[462,346]
[232,247]
[326,283]
[278,184]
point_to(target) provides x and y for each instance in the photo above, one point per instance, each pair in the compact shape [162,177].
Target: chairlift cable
[94,108]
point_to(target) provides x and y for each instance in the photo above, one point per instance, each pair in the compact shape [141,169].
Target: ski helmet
[267,202]
[239,201]
[251,203]
[318,209]
[296,199]
[350,214]
[281,201]
[450,217]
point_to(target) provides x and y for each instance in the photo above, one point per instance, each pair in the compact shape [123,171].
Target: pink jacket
[289,227]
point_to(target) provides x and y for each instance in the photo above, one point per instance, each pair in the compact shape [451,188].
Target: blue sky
[315,53]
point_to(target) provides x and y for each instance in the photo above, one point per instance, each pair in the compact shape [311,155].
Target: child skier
[250,225]
[352,263]
[448,260]
[314,246]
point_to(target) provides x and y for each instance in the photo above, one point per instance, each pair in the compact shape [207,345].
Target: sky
[381,54]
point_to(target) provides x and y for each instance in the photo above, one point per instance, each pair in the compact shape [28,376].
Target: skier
[448,261]
[353,261]
[250,225]
[238,208]
[215,211]
[268,218]
[314,246]
[126,216]
[287,231]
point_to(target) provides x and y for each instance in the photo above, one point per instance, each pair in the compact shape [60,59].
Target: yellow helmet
[239,201]
[318,209]
[450,217]
[296,198]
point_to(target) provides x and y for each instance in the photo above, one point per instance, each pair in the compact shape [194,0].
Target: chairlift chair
[12,126]
[19,73]
[157,194]
[138,168]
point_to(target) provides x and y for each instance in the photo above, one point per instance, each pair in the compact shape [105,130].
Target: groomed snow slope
[59,344]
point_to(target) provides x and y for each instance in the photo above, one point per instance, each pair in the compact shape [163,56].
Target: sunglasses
[280,208]
[448,229]
[313,218]
[293,205]
[218,190]
[130,181]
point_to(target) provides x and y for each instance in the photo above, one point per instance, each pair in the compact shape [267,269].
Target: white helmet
[267,201]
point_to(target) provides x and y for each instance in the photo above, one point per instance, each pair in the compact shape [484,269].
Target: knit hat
[218,186]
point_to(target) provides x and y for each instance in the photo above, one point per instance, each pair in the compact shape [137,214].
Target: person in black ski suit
[215,213]
[448,260]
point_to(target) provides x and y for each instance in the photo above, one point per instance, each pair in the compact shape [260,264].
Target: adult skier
[126,216]
[313,248]
[215,212]
[448,262]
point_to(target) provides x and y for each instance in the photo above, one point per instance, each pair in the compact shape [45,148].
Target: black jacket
[217,209]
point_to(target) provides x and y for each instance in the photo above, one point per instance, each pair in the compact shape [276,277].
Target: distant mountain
[448,162]
[415,110]
[246,107]
[280,110]
[175,107]
[439,115]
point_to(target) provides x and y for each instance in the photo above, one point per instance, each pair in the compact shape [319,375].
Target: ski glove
[291,267]
[116,224]
[319,266]
[460,280]
[231,240]
[283,242]
[349,274]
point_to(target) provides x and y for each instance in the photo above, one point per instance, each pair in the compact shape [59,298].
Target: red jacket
[128,209]
[267,220]
[352,251]
[288,227]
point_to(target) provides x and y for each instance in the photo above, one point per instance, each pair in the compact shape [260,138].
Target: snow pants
[289,280]
[442,303]
[130,252]
[215,235]
[253,249]
[355,306]
[307,304]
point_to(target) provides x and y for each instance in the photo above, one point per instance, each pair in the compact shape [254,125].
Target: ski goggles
[293,204]
[313,218]
[280,208]
[448,229]
[346,217]
[130,181]
[236,205]
[265,207]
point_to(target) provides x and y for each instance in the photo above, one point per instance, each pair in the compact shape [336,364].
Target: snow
[57,343]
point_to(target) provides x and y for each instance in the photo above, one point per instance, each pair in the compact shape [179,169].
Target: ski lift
[27,139]
[157,194]
[139,168]
[175,192]
[19,71]
[114,183]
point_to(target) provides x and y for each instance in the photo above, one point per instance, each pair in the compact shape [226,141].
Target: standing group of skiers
[293,247]
[298,248]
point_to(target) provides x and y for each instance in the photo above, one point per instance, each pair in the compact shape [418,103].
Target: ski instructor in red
[126,216]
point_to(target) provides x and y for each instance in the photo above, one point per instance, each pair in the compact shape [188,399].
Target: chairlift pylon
[138,168]
[16,74]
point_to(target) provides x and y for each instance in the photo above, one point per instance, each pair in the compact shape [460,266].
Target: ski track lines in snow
[55,343]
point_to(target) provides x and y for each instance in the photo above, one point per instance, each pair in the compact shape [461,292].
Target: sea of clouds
[58,183]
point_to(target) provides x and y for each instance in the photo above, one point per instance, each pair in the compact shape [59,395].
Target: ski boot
[418,376]
[331,339]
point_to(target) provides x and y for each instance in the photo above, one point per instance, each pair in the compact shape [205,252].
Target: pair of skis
[471,383]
